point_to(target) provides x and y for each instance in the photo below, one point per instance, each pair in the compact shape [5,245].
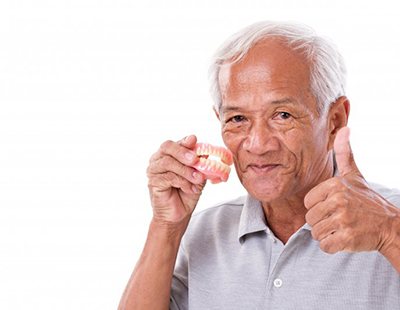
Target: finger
[326,208]
[189,141]
[170,164]
[343,154]
[181,150]
[331,244]
[321,192]
[197,188]
[319,212]
[166,181]
[324,228]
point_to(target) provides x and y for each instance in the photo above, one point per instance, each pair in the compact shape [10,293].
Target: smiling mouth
[261,169]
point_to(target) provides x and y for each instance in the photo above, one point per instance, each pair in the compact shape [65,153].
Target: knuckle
[338,219]
[166,145]
[170,177]
[348,236]
[309,217]
[324,246]
[184,171]
[150,171]
[165,162]
[170,164]
[327,246]
[154,157]
[340,200]
[152,183]
[342,217]
[314,233]
[153,166]
[174,180]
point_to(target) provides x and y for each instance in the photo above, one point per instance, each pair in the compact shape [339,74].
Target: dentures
[214,162]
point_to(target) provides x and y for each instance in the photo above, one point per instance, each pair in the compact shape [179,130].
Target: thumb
[343,154]
[188,141]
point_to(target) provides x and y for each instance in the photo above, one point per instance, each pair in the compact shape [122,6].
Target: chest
[263,274]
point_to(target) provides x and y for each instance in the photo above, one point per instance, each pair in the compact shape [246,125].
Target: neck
[286,216]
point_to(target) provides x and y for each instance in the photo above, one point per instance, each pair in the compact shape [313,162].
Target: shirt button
[278,283]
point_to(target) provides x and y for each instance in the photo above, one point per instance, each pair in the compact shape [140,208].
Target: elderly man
[311,233]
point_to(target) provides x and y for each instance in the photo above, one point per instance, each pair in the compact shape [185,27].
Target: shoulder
[390,194]
[219,221]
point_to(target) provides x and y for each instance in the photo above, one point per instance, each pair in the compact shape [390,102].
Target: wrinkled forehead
[266,62]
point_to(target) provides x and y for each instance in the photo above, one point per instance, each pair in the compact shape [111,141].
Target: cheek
[304,146]
[231,140]
[310,150]
[293,141]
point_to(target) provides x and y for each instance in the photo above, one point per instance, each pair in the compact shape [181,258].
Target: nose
[260,140]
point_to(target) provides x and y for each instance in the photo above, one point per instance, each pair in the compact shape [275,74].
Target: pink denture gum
[214,162]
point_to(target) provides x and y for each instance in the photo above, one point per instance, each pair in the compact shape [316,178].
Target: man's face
[270,123]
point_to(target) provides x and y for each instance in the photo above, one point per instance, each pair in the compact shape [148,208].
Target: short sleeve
[179,287]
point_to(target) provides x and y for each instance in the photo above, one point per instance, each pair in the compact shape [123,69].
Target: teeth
[220,152]
[203,161]
[215,163]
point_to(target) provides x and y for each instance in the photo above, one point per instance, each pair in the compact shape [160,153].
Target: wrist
[166,231]
[391,243]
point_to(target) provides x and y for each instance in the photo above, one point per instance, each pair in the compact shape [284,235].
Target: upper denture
[212,168]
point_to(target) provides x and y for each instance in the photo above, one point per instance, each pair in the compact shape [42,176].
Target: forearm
[392,249]
[150,284]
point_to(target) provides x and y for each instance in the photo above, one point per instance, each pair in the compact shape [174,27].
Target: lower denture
[216,169]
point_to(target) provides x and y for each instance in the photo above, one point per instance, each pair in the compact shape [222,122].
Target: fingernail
[189,156]
[196,175]
[195,189]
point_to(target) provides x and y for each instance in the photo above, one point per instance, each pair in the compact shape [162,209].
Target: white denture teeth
[213,162]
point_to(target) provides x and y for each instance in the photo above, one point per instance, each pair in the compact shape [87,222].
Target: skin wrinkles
[270,123]
[283,153]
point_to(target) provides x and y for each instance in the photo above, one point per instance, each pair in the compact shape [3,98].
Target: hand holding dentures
[214,162]
[177,173]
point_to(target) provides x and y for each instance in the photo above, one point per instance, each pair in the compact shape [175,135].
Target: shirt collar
[252,219]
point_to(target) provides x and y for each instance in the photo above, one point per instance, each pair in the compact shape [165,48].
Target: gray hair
[327,68]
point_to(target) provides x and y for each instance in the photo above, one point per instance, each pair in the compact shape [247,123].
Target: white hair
[327,69]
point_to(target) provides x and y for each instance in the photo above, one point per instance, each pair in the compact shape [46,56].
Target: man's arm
[175,188]
[150,283]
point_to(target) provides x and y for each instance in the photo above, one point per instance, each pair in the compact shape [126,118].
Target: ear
[338,117]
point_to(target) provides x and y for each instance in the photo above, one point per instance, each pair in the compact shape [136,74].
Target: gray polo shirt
[230,259]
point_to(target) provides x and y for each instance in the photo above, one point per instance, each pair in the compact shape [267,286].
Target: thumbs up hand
[344,213]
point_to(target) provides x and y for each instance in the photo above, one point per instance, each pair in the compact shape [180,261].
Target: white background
[88,91]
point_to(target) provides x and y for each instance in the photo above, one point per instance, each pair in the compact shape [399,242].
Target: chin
[266,190]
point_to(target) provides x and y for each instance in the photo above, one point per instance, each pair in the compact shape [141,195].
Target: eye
[236,119]
[283,115]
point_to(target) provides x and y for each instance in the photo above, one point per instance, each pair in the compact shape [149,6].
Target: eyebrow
[287,100]
[230,108]
[284,100]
